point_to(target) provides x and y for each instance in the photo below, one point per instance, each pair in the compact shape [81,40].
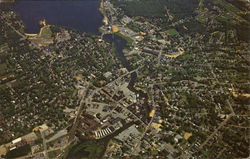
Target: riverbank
[128,39]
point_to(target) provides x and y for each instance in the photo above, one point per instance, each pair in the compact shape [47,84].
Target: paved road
[45,151]
[136,147]
[79,112]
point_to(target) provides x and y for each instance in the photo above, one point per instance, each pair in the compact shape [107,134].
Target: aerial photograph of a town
[124,79]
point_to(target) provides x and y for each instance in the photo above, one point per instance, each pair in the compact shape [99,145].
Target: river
[120,44]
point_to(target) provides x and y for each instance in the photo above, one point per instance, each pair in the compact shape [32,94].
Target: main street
[148,126]
[83,102]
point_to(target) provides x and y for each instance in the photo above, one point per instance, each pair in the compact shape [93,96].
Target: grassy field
[89,149]
[44,38]
[172,32]
[46,32]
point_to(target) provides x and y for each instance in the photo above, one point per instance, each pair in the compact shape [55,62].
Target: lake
[79,15]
